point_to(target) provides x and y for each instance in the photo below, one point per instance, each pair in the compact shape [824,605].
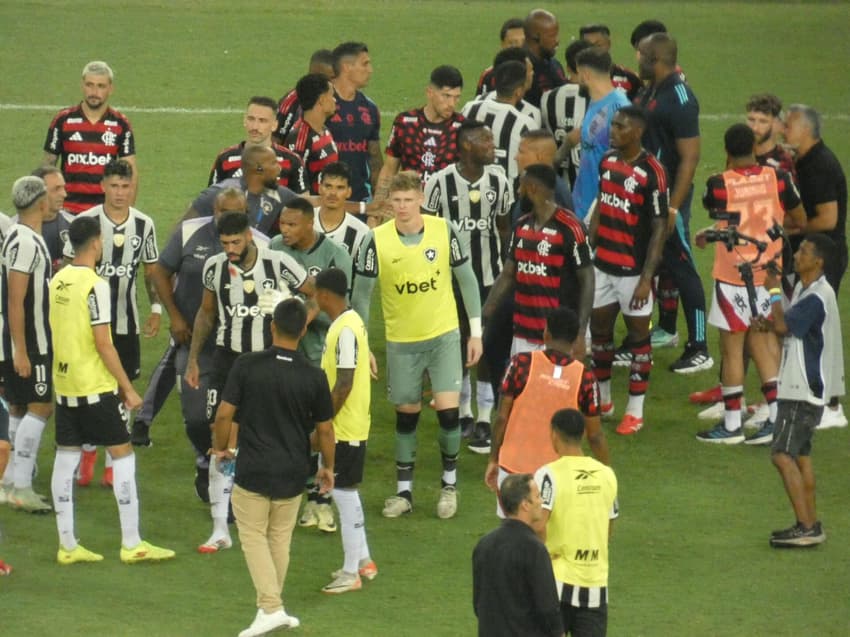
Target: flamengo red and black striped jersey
[316,150]
[84,148]
[779,159]
[421,145]
[626,79]
[288,112]
[547,262]
[631,196]
[228,164]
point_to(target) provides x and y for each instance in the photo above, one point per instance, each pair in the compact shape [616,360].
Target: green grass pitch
[689,554]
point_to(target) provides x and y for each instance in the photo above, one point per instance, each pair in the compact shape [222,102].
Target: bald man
[541,40]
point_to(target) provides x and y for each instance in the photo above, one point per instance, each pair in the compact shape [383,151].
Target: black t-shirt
[822,180]
[673,112]
[513,587]
[279,398]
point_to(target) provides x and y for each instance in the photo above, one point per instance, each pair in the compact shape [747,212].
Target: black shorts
[795,425]
[38,388]
[222,362]
[349,460]
[102,421]
[585,622]
[127,346]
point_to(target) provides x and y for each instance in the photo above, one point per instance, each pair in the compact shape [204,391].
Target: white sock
[127,497]
[404,485]
[450,477]
[89,448]
[107,463]
[352,526]
[9,475]
[466,397]
[220,488]
[62,485]
[605,392]
[635,406]
[484,397]
[364,555]
[27,441]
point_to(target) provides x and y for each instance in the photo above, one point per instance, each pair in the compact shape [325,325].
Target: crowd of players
[563,187]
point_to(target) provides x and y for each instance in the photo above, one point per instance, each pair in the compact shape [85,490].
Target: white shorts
[730,306]
[611,289]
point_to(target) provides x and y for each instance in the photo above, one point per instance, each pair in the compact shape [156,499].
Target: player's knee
[198,433]
[406,423]
[449,418]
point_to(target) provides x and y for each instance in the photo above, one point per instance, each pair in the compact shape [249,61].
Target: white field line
[178,110]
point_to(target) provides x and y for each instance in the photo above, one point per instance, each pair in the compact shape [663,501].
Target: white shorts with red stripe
[730,306]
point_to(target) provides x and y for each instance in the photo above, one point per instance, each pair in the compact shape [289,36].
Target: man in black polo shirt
[541,40]
[823,189]
[823,186]
[673,137]
[513,586]
[284,403]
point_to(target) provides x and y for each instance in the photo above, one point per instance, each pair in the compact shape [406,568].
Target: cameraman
[761,196]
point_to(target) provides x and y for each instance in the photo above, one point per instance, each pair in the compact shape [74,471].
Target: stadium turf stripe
[202,110]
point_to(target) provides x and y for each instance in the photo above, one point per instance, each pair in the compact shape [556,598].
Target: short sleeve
[457,256]
[23,256]
[291,272]
[714,197]
[150,251]
[53,143]
[546,482]
[209,273]
[172,255]
[346,349]
[366,263]
[127,145]
[100,303]
[684,121]
[433,196]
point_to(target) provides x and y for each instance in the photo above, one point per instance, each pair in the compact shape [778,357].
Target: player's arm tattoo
[342,387]
[376,162]
[49,159]
[204,323]
[150,284]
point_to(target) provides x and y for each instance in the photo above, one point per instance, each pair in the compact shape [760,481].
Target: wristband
[156,308]
[773,291]
[775,298]
[475,327]
[362,207]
